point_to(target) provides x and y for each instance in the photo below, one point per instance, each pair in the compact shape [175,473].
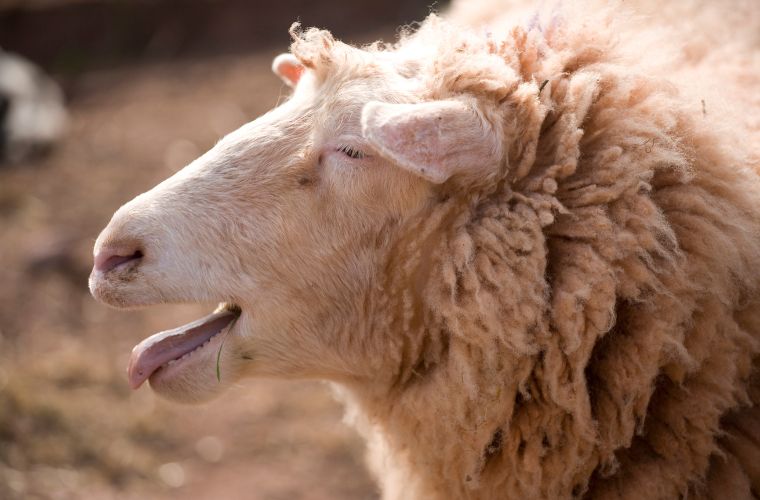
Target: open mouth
[169,349]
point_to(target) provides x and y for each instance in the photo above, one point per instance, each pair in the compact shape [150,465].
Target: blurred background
[147,86]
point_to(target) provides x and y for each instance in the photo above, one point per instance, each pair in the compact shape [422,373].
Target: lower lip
[174,368]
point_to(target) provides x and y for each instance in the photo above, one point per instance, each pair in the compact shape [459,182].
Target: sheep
[525,257]
[32,114]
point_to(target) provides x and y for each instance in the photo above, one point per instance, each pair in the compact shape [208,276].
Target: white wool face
[288,216]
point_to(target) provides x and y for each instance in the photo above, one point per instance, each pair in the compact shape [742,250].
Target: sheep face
[286,223]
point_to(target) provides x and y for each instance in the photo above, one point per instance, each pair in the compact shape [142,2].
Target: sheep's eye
[351,152]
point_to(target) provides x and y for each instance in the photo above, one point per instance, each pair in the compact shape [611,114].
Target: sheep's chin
[201,374]
[194,379]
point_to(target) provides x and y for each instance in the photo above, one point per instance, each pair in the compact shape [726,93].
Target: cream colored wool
[587,324]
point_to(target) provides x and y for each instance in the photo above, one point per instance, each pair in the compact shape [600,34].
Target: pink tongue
[151,353]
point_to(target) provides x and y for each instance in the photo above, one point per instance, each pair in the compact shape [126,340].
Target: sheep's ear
[288,68]
[434,140]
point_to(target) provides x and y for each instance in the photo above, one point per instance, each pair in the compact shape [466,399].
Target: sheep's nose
[111,257]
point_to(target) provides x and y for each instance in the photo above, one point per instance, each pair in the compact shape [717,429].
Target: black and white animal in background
[32,114]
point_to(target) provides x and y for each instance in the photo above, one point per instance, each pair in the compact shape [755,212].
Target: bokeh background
[149,85]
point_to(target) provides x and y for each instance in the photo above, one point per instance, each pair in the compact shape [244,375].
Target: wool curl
[585,324]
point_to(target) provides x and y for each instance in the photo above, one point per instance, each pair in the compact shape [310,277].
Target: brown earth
[69,426]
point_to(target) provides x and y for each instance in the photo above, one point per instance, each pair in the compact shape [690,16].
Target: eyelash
[351,152]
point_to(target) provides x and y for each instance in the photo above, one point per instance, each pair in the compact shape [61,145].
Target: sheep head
[288,222]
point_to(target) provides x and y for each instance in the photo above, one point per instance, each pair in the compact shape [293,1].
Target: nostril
[107,260]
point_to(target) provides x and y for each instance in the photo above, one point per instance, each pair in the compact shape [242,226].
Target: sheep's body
[529,262]
[626,373]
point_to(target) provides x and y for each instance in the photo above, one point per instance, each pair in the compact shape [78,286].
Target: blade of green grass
[219,353]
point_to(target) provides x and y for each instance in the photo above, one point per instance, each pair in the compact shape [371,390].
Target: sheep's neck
[458,342]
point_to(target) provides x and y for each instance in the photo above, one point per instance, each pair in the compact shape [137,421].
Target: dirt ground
[69,425]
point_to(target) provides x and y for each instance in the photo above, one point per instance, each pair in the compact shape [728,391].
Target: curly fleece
[583,322]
